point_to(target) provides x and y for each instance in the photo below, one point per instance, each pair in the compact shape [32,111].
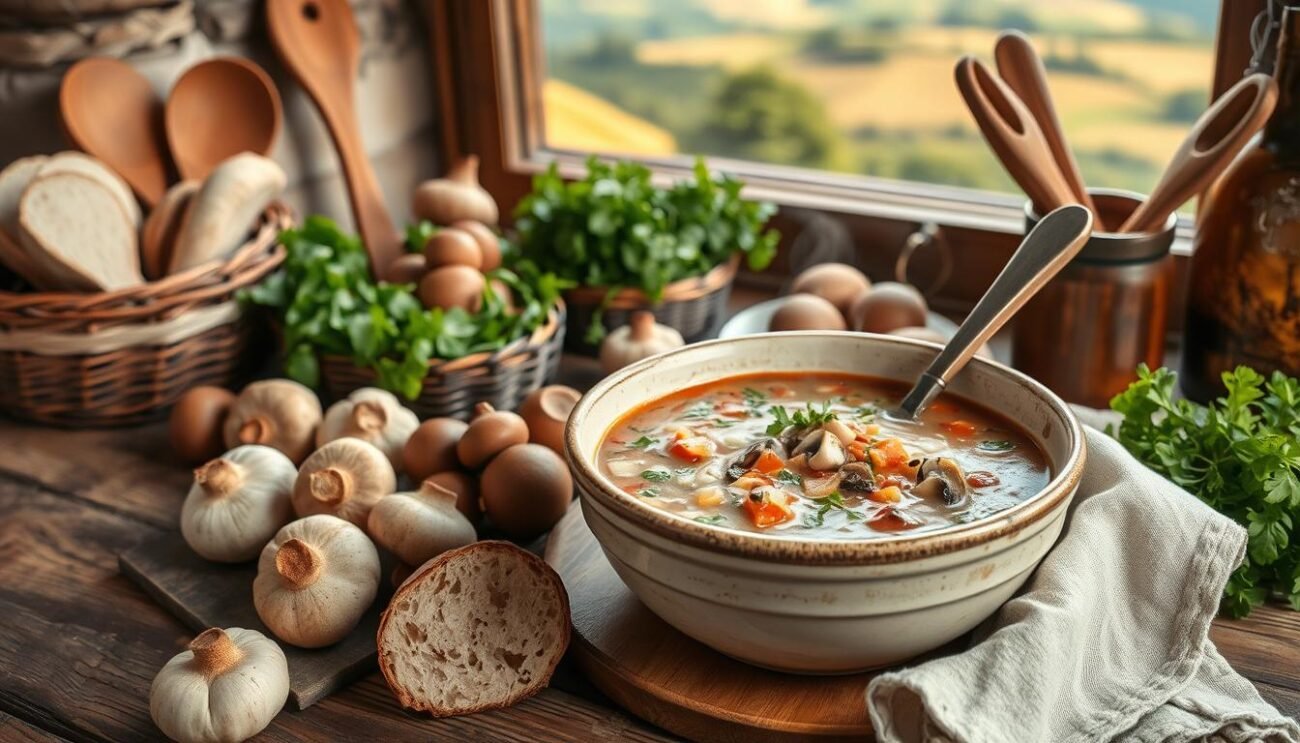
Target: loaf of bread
[74,229]
[476,628]
[225,209]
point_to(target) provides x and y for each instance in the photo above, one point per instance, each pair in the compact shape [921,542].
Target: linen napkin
[1108,639]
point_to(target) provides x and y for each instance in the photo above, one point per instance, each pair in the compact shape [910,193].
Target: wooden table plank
[14,729]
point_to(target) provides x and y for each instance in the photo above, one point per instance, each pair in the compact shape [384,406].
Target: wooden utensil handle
[378,233]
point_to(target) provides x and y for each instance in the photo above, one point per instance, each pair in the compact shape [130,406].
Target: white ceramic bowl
[810,606]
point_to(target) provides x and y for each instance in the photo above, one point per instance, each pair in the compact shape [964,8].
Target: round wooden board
[663,676]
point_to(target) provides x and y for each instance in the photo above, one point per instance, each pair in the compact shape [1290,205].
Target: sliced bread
[73,227]
[225,209]
[158,236]
[476,628]
[13,180]
[78,162]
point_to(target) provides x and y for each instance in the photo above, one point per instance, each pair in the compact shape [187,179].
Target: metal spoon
[1042,254]
[219,108]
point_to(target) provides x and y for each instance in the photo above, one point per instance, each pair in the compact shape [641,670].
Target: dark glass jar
[1084,334]
[1243,301]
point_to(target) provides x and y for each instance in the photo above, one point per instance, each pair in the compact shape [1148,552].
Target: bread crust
[526,560]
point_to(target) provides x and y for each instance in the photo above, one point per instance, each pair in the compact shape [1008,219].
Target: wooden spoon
[111,112]
[1023,70]
[217,109]
[1011,131]
[318,41]
[1215,139]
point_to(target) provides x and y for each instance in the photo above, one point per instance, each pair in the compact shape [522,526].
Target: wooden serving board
[663,676]
[206,594]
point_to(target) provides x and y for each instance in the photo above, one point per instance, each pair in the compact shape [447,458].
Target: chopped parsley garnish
[995,445]
[684,471]
[786,477]
[716,518]
[698,411]
[645,442]
[832,502]
[866,412]
[650,492]
[656,475]
[805,418]
[754,399]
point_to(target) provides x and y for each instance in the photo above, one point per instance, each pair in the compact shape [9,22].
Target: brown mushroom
[432,447]
[546,411]
[941,478]
[526,490]
[194,427]
[452,247]
[489,433]
[452,286]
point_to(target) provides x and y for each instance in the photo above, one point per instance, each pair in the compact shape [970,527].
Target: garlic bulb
[279,413]
[237,503]
[374,416]
[419,526]
[315,580]
[227,687]
[455,197]
[640,339]
[343,478]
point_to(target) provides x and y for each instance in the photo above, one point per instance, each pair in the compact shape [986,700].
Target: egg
[432,447]
[466,489]
[806,312]
[490,432]
[888,306]
[526,490]
[837,283]
[195,425]
[452,247]
[406,269]
[546,410]
[452,286]
[488,242]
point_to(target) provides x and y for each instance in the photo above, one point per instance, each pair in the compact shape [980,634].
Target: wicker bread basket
[695,307]
[503,377]
[123,357]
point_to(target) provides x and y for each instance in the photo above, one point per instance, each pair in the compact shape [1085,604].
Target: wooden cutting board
[663,676]
[206,594]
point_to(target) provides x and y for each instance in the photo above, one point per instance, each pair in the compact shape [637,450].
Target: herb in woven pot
[328,304]
[615,229]
[1241,455]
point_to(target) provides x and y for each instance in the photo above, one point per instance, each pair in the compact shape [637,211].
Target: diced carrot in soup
[960,428]
[769,462]
[766,508]
[889,456]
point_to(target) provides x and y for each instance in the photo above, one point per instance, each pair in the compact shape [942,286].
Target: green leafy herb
[328,304]
[832,502]
[656,475]
[786,477]
[715,518]
[648,492]
[995,445]
[418,234]
[754,400]
[805,418]
[614,228]
[645,442]
[866,412]
[1241,455]
[684,471]
[698,411]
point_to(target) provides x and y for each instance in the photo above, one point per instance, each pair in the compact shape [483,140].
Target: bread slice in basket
[476,628]
[76,232]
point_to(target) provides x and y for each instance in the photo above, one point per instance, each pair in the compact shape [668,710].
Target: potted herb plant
[630,245]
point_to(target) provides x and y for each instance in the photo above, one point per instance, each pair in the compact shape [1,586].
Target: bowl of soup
[757,495]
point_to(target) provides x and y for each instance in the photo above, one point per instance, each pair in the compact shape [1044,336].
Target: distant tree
[757,115]
[1184,106]
[958,13]
[932,167]
[612,49]
[1016,18]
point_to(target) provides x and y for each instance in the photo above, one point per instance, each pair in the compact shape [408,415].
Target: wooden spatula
[318,42]
[1011,131]
[1023,70]
[1215,139]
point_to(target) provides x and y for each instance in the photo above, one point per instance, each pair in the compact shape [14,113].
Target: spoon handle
[1043,253]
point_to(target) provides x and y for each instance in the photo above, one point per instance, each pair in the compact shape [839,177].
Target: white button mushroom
[237,503]
[315,580]
[227,687]
[343,478]
[279,413]
[419,526]
[373,415]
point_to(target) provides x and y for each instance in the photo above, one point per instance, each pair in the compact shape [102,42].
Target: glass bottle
[1243,302]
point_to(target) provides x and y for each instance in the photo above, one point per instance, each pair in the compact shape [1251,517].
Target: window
[865,86]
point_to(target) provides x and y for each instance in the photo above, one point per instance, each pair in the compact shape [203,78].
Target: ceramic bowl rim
[794,550]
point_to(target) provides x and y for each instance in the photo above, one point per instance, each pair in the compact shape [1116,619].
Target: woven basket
[123,357]
[503,377]
[695,307]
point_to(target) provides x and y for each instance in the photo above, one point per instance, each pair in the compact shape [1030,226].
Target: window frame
[489,66]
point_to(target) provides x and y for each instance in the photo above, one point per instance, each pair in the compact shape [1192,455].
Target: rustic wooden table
[79,643]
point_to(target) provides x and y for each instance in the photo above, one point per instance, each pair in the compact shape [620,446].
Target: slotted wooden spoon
[1215,139]
[1011,131]
[111,112]
[318,42]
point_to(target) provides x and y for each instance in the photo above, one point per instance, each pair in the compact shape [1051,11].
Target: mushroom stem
[298,563]
[432,491]
[642,325]
[254,431]
[219,477]
[330,485]
[483,408]
[214,652]
[369,416]
[465,171]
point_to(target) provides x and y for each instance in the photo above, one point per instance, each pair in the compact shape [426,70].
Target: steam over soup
[810,455]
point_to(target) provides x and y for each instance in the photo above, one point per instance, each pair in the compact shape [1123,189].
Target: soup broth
[810,455]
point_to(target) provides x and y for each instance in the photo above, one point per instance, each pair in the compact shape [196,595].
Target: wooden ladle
[111,112]
[1215,139]
[219,108]
[1013,134]
[1023,71]
[318,41]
